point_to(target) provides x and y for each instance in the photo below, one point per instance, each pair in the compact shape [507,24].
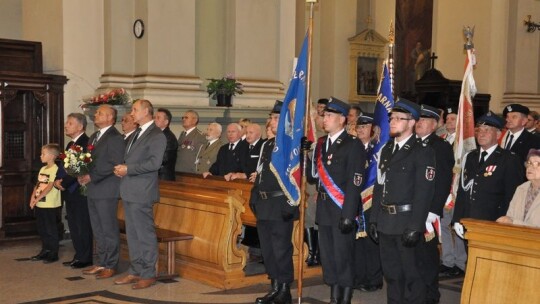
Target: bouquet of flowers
[113,97]
[77,162]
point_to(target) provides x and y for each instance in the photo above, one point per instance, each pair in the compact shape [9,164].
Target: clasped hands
[409,238]
[120,170]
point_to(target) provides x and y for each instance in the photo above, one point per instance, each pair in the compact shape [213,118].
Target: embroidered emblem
[430,173]
[357,180]
[509,108]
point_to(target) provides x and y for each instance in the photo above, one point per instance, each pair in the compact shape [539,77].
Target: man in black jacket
[402,198]
[338,168]
[427,250]
[275,219]
[231,156]
[78,217]
[162,119]
[517,139]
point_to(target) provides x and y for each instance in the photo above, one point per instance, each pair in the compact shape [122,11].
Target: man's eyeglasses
[534,164]
[398,118]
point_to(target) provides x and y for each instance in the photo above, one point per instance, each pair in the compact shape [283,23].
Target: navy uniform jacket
[408,177]
[444,163]
[523,144]
[230,161]
[493,186]
[345,162]
[272,207]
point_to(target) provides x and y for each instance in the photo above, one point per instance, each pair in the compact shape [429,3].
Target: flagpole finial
[311,1]
[468,32]
[391,34]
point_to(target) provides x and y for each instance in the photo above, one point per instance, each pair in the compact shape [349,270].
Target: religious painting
[367,76]
[414,23]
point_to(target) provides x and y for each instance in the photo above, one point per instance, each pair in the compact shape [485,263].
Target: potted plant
[117,98]
[223,89]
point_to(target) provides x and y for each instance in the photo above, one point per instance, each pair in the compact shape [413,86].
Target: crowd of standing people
[394,240]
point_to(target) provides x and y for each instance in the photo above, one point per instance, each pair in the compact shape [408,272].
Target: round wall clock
[138,28]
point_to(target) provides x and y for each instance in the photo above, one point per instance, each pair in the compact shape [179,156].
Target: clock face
[138,28]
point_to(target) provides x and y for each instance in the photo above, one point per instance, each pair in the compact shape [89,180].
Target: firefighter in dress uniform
[275,219]
[401,201]
[338,168]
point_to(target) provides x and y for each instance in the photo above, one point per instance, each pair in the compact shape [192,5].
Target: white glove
[431,217]
[458,228]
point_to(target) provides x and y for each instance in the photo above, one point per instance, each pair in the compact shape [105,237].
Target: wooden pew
[503,263]
[212,210]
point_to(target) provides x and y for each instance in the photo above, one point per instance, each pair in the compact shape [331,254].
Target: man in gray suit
[208,152]
[103,191]
[189,143]
[139,190]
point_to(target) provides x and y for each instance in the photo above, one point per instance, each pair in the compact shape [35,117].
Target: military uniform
[345,163]
[485,191]
[526,141]
[401,202]
[207,156]
[188,147]
[167,169]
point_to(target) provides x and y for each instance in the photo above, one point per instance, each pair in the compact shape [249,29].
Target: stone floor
[25,281]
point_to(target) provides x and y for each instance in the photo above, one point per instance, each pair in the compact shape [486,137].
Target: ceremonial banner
[464,141]
[286,155]
[383,106]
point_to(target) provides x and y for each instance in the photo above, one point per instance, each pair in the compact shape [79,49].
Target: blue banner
[285,162]
[383,106]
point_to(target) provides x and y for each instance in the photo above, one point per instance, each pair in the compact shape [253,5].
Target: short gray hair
[80,118]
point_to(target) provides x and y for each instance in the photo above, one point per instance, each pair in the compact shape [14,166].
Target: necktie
[396,148]
[250,147]
[70,144]
[134,139]
[231,146]
[96,138]
[482,158]
[328,143]
[509,142]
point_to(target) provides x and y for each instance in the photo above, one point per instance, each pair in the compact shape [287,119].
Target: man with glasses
[489,177]
[189,143]
[401,200]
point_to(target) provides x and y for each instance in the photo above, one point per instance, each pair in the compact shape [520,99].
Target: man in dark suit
[139,190]
[231,156]
[489,177]
[78,218]
[338,168]
[208,152]
[517,139]
[254,143]
[162,120]
[427,249]
[128,127]
[402,198]
[275,220]
[103,192]
[532,121]
[189,142]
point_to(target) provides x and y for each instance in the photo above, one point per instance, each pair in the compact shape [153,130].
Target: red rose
[90,148]
[62,155]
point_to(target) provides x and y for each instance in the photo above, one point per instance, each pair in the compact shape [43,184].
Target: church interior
[57,55]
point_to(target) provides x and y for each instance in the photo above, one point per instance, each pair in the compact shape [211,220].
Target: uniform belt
[323,195]
[393,209]
[269,194]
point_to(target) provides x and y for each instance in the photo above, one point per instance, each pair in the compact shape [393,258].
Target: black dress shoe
[452,273]
[69,263]
[370,288]
[51,258]
[40,256]
[79,264]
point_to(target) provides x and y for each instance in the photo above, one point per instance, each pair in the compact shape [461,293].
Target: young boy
[46,199]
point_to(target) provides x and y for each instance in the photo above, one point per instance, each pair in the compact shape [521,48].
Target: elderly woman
[524,208]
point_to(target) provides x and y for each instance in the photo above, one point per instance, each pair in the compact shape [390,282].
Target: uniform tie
[509,142]
[396,148]
[231,147]
[482,158]
[250,147]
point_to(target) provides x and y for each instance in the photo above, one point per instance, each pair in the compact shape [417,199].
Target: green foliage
[226,85]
